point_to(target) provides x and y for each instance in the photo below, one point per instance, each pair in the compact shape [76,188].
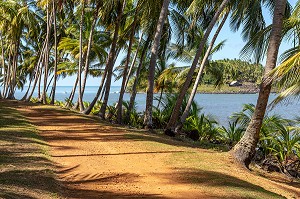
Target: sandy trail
[96,160]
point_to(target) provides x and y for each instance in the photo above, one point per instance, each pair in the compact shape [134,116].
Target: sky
[231,50]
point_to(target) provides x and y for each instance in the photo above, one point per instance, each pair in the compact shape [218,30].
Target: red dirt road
[96,160]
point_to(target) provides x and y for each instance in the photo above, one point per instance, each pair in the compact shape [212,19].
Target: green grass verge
[25,168]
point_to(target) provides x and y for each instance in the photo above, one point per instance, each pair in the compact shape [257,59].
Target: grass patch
[25,168]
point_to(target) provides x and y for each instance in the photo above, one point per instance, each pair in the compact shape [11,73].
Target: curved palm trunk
[198,79]
[55,56]
[80,102]
[176,111]
[71,96]
[244,150]
[160,97]
[111,59]
[13,82]
[92,104]
[133,61]
[154,52]
[137,75]
[44,95]
[28,89]
[3,65]
[120,101]
[7,77]
[87,59]
[38,72]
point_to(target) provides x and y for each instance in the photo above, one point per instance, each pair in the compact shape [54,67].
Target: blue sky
[231,50]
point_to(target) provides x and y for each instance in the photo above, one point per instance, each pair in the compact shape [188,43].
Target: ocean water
[219,105]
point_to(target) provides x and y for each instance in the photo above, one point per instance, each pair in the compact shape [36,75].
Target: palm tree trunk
[87,60]
[120,102]
[198,79]
[176,111]
[37,71]
[3,65]
[111,59]
[244,150]
[71,96]
[7,76]
[13,82]
[92,104]
[133,61]
[44,95]
[28,89]
[154,52]
[137,75]
[55,55]
[80,102]
[160,97]
[100,90]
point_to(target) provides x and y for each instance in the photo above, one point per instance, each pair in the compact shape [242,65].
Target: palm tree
[80,96]
[200,72]
[244,150]
[111,57]
[123,86]
[55,54]
[154,51]
[174,117]
[137,78]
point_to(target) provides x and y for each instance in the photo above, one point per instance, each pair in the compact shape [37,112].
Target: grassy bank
[25,168]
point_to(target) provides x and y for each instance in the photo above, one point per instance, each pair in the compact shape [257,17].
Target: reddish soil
[97,160]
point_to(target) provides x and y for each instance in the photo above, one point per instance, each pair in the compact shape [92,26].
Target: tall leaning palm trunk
[44,95]
[55,55]
[200,72]
[120,102]
[90,41]
[244,150]
[137,76]
[80,100]
[176,111]
[111,58]
[154,53]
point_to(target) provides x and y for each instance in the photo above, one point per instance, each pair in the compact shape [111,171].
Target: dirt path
[95,160]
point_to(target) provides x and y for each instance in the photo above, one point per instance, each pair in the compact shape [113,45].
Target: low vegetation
[25,168]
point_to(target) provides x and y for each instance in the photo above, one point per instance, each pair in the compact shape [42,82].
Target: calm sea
[219,105]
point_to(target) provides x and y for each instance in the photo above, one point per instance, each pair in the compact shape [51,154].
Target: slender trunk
[160,97]
[122,91]
[37,71]
[39,85]
[13,82]
[133,61]
[3,65]
[55,55]
[30,82]
[92,104]
[8,75]
[87,60]
[111,59]
[176,111]
[198,79]
[44,95]
[137,75]
[71,97]
[49,83]
[100,90]
[154,51]
[80,102]
[244,150]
